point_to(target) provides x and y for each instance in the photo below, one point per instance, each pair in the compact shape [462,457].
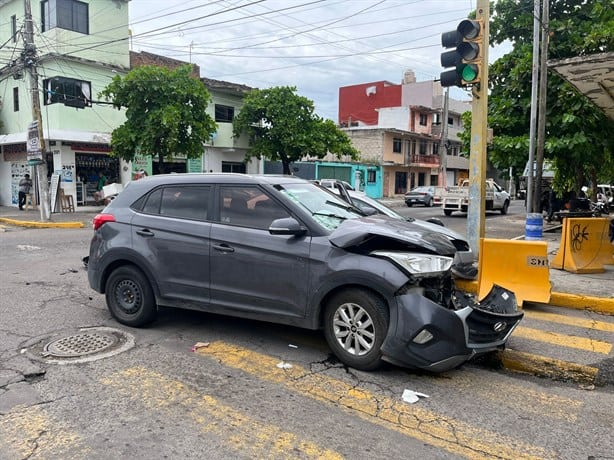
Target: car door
[252,270]
[171,232]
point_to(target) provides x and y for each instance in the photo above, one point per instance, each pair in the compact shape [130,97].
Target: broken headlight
[416,263]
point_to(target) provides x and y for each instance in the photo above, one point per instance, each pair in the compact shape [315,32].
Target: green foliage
[165,113]
[282,127]
[579,137]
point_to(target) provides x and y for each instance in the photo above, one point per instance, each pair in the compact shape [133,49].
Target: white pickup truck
[456,198]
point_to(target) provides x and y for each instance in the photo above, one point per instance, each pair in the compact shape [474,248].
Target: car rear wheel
[429,203]
[355,325]
[447,212]
[505,207]
[129,296]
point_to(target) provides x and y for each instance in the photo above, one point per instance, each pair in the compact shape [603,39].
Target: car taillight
[101,219]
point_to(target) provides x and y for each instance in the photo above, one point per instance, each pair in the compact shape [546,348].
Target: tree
[579,137]
[282,126]
[165,113]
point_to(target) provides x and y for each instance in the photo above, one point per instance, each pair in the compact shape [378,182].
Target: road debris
[198,345]
[411,396]
[284,365]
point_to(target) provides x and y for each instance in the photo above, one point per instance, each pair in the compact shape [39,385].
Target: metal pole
[443,148]
[534,83]
[30,58]
[477,156]
[541,119]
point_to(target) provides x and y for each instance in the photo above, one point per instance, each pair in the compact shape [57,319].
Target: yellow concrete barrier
[585,246]
[520,266]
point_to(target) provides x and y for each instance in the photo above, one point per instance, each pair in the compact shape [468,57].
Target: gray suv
[281,249]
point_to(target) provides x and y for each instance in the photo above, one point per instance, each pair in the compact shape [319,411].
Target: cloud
[317,46]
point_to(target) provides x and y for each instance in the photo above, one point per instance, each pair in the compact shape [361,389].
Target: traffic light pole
[477,156]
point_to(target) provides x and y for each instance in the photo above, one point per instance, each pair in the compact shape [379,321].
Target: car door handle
[223,247]
[145,232]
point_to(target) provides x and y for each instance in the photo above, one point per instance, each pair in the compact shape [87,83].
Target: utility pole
[443,148]
[541,120]
[477,157]
[29,62]
[533,121]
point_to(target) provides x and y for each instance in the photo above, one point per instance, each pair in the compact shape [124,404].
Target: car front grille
[486,327]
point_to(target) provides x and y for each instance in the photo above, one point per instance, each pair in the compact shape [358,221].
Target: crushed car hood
[355,232]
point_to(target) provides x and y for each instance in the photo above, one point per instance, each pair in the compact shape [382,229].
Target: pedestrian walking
[25,185]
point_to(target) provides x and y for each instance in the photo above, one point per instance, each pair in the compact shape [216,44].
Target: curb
[603,305]
[32,224]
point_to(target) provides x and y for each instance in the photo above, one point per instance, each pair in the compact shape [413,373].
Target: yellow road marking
[243,433]
[31,432]
[570,341]
[534,402]
[548,367]
[453,435]
[570,321]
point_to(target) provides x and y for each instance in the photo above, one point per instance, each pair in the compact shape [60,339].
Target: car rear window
[185,202]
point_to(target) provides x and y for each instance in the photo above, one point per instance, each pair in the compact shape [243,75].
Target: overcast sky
[315,45]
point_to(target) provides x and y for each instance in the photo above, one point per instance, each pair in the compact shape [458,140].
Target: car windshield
[326,208]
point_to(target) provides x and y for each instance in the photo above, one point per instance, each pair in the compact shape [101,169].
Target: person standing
[25,185]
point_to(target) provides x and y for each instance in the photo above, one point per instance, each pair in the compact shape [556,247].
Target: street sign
[34,152]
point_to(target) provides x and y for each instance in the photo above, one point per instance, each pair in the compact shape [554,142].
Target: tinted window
[249,207]
[189,202]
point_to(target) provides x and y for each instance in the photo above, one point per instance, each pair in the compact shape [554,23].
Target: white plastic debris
[292,346]
[284,365]
[411,396]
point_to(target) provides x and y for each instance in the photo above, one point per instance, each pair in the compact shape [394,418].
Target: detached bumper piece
[425,335]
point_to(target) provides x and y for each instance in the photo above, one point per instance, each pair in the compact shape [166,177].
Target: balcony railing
[430,160]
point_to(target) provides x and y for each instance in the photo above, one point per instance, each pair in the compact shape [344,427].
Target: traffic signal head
[467,42]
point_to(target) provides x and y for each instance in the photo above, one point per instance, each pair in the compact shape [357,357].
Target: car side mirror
[286,226]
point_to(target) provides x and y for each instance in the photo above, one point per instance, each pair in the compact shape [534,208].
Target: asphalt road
[510,226]
[237,397]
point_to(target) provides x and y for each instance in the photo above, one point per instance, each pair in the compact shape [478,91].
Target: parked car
[284,250]
[333,183]
[420,195]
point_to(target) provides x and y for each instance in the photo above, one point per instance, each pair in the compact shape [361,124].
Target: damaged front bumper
[426,335]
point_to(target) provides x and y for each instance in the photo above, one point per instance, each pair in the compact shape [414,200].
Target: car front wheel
[355,325]
[129,297]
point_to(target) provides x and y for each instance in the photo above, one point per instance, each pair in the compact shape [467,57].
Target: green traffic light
[469,72]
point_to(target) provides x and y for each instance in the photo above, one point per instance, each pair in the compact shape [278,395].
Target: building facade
[400,127]
[77,52]
[79,47]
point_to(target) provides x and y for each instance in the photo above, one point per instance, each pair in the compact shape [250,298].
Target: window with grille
[68,91]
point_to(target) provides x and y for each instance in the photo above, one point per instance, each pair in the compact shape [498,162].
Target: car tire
[447,212]
[408,203]
[505,207]
[129,297]
[355,326]
[429,203]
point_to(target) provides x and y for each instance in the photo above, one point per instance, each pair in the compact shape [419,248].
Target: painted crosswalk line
[240,432]
[31,432]
[438,430]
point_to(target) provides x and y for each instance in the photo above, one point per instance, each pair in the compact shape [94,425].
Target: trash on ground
[590,387]
[284,365]
[411,396]
[292,346]
[198,345]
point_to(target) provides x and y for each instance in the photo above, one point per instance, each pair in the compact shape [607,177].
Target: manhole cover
[82,344]
[79,346]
